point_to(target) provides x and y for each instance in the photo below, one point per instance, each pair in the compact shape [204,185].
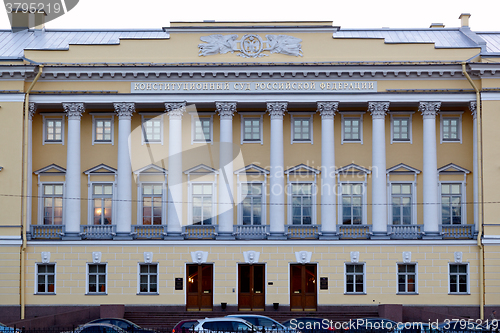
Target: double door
[251,287]
[199,287]
[303,287]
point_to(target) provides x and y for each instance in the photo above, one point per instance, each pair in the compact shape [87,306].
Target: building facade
[296,165]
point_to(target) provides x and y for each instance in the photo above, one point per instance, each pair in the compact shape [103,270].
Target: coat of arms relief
[250,45]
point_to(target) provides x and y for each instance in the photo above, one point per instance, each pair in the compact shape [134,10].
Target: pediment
[151,170]
[402,168]
[101,169]
[352,169]
[53,169]
[301,169]
[452,169]
[201,169]
[252,169]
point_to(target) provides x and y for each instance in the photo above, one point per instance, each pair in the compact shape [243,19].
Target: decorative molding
[45,257]
[458,257]
[327,110]
[199,257]
[303,257]
[32,110]
[429,109]
[473,109]
[96,257]
[251,257]
[277,109]
[354,256]
[378,110]
[225,110]
[250,45]
[124,110]
[175,110]
[406,257]
[148,257]
[73,110]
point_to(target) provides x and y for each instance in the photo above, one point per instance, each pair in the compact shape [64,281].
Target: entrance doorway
[303,290]
[251,287]
[199,287]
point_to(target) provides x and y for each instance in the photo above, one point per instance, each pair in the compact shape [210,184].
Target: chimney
[437,25]
[19,20]
[464,17]
[39,23]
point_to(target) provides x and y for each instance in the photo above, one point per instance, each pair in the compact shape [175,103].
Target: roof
[492,40]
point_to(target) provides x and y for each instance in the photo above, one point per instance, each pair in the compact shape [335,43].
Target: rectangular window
[301,129]
[52,204]
[202,204]
[407,278]
[352,198]
[152,130]
[53,130]
[96,278]
[301,203]
[152,195]
[451,203]
[459,279]
[351,129]
[252,130]
[401,129]
[46,278]
[401,203]
[450,128]
[103,130]
[251,204]
[102,198]
[148,278]
[202,130]
[354,278]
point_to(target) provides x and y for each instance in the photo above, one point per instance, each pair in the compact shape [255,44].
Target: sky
[136,14]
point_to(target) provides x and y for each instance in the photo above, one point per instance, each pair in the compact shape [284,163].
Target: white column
[32,111]
[277,177]
[124,178]
[378,111]
[475,165]
[72,191]
[430,175]
[174,207]
[327,112]
[226,199]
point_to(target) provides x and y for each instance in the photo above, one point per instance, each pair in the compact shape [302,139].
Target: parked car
[6,329]
[99,328]
[309,325]
[263,322]
[184,325]
[458,326]
[124,324]
[225,324]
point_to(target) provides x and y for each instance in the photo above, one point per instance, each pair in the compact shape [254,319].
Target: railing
[47,231]
[297,231]
[457,231]
[200,231]
[362,231]
[98,231]
[149,231]
[241,231]
[405,231]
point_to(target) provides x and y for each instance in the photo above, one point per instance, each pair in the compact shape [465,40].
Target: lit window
[152,130]
[46,278]
[202,204]
[450,129]
[53,130]
[103,129]
[203,130]
[102,203]
[401,129]
[301,203]
[451,203]
[352,198]
[148,278]
[52,204]
[96,278]
[459,279]
[407,278]
[354,278]
[401,203]
[251,204]
[252,130]
[152,195]
[301,128]
[352,129]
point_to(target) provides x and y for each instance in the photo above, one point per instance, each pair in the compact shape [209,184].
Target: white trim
[195,117]
[237,291]
[408,115]
[139,279]
[313,200]
[41,197]
[416,278]
[242,128]
[90,214]
[364,278]
[413,199]
[107,116]
[463,199]
[305,116]
[364,203]
[52,116]
[448,114]
[145,117]
[87,279]
[468,278]
[140,200]
[36,279]
[263,219]
[352,115]
[214,200]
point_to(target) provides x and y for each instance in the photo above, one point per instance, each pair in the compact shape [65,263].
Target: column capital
[32,110]
[429,109]
[473,109]
[277,109]
[124,110]
[225,110]
[378,109]
[327,109]
[74,110]
[175,110]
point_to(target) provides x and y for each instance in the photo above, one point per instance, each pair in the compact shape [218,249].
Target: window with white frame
[251,204]
[401,203]
[352,128]
[302,195]
[407,278]
[202,131]
[103,130]
[148,278]
[52,204]
[301,129]
[401,129]
[45,278]
[459,279]
[96,278]
[152,129]
[251,129]
[152,204]
[354,278]
[54,130]
[450,129]
[451,203]
[352,203]
[202,203]
[102,203]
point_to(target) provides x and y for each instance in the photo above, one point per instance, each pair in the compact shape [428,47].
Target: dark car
[458,326]
[124,324]
[263,322]
[99,328]
[184,325]
[310,325]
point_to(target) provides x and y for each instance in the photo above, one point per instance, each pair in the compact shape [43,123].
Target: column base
[277,236]
[123,236]
[225,236]
[329,235]
[173,236]
[380,235]
[71,236]
[432,235]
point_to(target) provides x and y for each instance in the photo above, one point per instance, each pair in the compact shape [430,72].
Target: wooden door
[251,287]
[303,289]
[199,287]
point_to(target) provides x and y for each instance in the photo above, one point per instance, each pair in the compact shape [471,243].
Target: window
[103,130]
[301,129]
[450,129]
[251,204]
[52,204]
[102,199]
[407,278]
[54,130]
[352,198]
[251,130]
[148,278]
[202,130]
[202,204]
[152,130]
[354,278]
[46,279]
[451,203]
[352,129]
[152,195]
[301,203]
[459,277]
[401,129]
[401,203]
[96,278]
